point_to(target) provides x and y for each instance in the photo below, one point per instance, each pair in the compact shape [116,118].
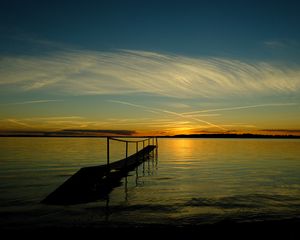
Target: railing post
[143,149]
[138,155]
[126,154]
[107,153]
[156,149]
[137,149]
[126,149]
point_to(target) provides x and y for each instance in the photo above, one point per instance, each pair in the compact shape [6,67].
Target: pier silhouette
[96,182]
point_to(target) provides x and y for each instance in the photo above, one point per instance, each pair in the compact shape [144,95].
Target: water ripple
[246,201]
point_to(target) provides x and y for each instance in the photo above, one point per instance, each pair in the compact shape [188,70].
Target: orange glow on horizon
[139,133]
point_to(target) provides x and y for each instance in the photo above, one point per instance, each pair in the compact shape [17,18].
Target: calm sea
[191,182]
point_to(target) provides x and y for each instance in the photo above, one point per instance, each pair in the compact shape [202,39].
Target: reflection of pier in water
[146,169]
[93,183]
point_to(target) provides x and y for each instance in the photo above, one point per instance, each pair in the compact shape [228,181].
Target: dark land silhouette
[128,134]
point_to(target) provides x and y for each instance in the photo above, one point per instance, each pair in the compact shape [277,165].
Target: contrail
[34,101]
[195,119]
[241,107]
[157,110]
[52,118]
[19,123]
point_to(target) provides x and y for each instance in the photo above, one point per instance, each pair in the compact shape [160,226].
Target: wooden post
[136,175]
[126,149]
[126,188]
[143,149]
[156,149]
[149,166]
[107,154]
[107,150]
[126,154]
[137,149]
[156,142]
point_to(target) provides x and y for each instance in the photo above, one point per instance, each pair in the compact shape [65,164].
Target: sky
[150,67]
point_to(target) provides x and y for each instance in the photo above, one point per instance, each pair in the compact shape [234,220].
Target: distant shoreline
[238,136]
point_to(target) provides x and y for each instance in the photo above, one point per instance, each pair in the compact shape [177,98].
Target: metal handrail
[121,140]
[128,141]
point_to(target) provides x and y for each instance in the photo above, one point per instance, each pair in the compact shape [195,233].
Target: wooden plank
[92,183]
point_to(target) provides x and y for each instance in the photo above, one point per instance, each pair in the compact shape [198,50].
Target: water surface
[190,182]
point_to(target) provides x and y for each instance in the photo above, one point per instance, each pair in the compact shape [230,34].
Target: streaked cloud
[238,125]
[33,102]
[127,72]
[96,131]
[168,112]
[70,132]
[240,107]
[53,118]
[175,105]
[275,44]
[283,44]
[18,123]
[182,93]
[48,122]
[282,130]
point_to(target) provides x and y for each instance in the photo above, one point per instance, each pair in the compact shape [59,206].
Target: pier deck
[92,183]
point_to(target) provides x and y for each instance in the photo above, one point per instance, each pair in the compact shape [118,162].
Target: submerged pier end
[96,182]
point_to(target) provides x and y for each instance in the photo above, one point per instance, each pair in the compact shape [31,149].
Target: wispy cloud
[239,125]
[275,44]
[58,122]
[124,72]
[282,130]
[18,123]
[282,44]
[53,118]
[98,131]
[33,102]
[240,108]
[158,110]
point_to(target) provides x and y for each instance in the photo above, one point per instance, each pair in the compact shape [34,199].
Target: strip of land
[96,135]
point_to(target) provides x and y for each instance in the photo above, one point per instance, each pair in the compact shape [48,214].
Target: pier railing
[136,142]
[90,183]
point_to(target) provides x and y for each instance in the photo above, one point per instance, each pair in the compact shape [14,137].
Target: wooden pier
[93,183]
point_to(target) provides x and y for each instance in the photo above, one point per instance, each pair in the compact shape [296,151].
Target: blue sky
[183,66]
[243,29]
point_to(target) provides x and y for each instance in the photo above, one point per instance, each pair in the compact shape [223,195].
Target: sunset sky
[150,67]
